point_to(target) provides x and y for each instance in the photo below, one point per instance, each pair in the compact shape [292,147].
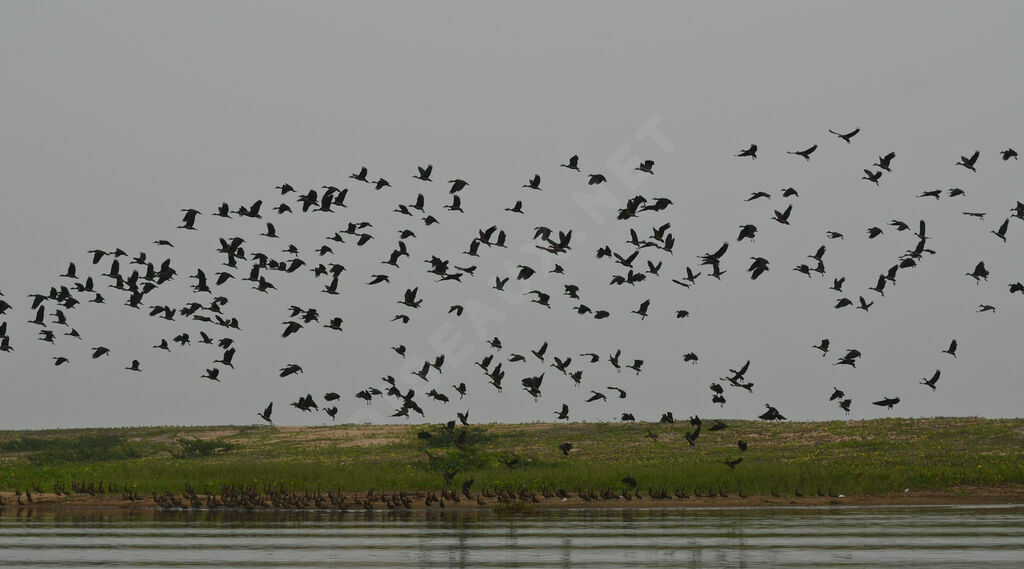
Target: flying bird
[846,137]
[265,415]
[806,154]
[1001,232]
[885,161]
[952,349]
[751,152]
[931,382]
[969,162]
[887,402]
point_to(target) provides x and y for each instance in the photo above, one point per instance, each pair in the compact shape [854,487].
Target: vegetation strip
[520,463]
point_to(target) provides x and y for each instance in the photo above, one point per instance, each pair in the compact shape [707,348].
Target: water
[934,537]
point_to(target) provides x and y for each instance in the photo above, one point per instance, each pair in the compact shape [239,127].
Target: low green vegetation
[846,457]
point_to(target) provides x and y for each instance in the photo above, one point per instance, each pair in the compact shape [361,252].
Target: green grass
[850,457]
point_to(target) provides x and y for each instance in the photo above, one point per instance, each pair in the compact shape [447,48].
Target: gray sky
[117,115]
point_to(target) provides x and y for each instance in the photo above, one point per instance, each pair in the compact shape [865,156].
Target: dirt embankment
[417,501]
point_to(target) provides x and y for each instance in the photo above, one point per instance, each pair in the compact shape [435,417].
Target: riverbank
[926,461]
[417,501]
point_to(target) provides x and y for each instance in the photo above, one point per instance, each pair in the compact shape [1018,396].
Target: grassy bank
[853,458]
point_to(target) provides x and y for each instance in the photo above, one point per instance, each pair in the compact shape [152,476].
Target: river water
[898,537]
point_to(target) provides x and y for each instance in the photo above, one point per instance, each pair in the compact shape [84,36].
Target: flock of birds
[257,259]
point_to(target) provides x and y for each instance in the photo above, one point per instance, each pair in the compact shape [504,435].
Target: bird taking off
[265,415]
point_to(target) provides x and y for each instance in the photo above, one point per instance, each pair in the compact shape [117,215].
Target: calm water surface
[934,537]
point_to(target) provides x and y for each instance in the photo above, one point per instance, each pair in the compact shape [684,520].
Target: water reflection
[700,538]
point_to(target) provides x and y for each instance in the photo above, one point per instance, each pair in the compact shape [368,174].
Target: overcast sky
[115,116]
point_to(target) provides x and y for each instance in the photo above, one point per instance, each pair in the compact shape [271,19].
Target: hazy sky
[115,116]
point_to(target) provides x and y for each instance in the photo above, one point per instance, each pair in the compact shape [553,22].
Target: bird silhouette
[772,414]
[751,152]
[887,402]
[642,311]
[931,382]
[565,448]
[212,374]
[979,273]
[732,463]
[885,161]
[1001,232]
[783,216]
[823,346]
[265,415]
[597,396]
[806,154]
[969,162]
[951,350]
[846,137]
[845,405]
[646,166]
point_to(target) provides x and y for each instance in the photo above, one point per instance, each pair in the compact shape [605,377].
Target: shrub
[81,448]
[195,448]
